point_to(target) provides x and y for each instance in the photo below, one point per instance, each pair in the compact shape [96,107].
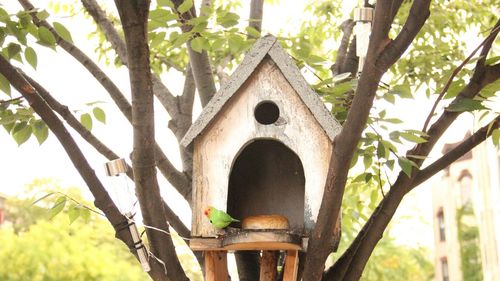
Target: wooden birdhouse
[261,146]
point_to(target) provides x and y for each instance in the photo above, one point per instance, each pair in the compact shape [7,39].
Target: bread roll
[265,222]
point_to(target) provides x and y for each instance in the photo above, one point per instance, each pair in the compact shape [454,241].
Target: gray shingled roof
[266,45]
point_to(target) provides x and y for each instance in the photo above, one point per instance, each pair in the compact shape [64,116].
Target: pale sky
[73,85]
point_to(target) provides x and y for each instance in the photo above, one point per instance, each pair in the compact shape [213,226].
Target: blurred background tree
[38,244]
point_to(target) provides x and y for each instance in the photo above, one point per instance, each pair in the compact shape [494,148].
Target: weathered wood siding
[235,126]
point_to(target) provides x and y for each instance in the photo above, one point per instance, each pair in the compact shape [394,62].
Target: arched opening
[267,178]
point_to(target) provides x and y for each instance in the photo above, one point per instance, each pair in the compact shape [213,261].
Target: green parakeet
[218,218]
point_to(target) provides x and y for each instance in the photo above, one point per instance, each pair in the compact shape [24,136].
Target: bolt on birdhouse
[261,146]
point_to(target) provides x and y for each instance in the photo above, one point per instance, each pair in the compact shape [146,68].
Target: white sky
[73,85]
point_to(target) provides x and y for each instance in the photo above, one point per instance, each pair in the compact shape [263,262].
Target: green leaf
[403,90]
[199,44]
[13,49]
[31,57]
[185,6]
[465,105]
[455,88]
[42,15]
[99,114]
[367,161]
[381,151]
[8,119]
[406,165]
[341,88]
[46,37]
[492,60]
[85,214]
[4,16]
[252,32]
[228,19]
[495,137]
[73,213]
[163,16]
[86,121]
[22,135]
[491,89]
[390,164]
[40,130]
[412,138]
[57,207]
[374,195]
[4,85]
[389,97]
[167,3]
[235,43]
[156,39]
[63,32]
[389,145]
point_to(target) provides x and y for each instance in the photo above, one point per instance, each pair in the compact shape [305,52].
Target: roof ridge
[266,45]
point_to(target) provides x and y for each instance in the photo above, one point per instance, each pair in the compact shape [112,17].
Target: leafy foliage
[468,238]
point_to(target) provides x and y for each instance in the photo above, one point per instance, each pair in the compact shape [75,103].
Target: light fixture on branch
[363,17]
[125,200]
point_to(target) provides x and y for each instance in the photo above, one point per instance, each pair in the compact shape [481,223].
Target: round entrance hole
[267,112]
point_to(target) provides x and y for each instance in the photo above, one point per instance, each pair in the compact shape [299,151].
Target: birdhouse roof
[266,45]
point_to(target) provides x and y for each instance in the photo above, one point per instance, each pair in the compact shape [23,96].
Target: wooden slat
[291,265]
[205,244]
[262,240]
[216,266]
[268,265]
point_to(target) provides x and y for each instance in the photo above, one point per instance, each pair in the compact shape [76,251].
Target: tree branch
[134,16]
[347,27]
[256,15]
[200,63]
[178,179]
[66,114]
[160,90]
[101,197]
[346,142]
[457,152]
[489,39]
[419,12]
[353,261]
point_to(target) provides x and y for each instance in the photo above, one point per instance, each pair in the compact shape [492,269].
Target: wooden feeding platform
[247,240]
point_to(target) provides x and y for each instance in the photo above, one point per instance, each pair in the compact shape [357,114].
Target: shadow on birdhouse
[261,151]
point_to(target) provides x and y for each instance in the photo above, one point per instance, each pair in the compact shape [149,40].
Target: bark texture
[134,15]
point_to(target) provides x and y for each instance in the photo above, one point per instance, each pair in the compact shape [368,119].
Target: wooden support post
[268,265]
[291,265]
[216,266]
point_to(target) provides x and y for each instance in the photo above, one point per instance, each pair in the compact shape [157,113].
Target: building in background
[466,206]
